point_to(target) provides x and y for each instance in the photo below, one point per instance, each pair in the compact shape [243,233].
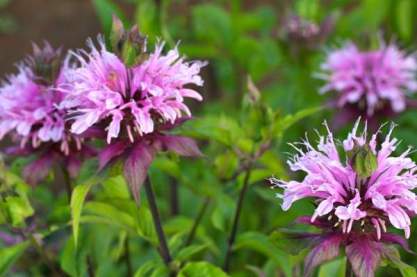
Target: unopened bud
[363,161]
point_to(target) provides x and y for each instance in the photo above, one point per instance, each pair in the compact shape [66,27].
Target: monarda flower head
[359,190]
[370,82]
[30,113]
[133,99]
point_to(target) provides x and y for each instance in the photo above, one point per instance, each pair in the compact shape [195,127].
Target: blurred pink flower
[31,112]
[29,105]
[358,190]
[372,80]
[130,101]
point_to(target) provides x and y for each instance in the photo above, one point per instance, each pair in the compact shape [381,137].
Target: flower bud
[363,161]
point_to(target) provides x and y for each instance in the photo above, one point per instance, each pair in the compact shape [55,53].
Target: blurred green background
[259,89]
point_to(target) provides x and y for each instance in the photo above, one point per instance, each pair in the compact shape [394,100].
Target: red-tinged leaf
[136,167]
[364,255]
[326,250]
[396,239]
[182,146]
[316,223]
[111,152]
[37,170]
[17,151]
[73,166]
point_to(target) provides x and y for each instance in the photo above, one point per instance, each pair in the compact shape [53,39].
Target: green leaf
[404,16]
[10,255]
[223,211]
[189,251]
[111,212]
[146,227]
[168,166]
[146,16]
[148,267]
[198,269]
[226,164]
[212,23]
[263,244]
[105,10]
[116,187]
[394,259]
[18,209]
[282,125]
[223,129]
[77,200]
[334,268]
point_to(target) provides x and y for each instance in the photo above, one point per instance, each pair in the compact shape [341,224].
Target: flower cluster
[130,100]
[30,112]
[356,193]
[29,102]
[52,105]
[372,81]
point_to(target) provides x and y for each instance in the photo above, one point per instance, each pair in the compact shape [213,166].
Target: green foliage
[201,269]
[10,255]
[77,201]
[260,93]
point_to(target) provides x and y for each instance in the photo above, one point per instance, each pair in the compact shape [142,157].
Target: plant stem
[127,258]
[163,246]
[238,210]
[197,222]
[348,271]
[174,197]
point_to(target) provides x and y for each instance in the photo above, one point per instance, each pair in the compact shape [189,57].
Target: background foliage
[260,93]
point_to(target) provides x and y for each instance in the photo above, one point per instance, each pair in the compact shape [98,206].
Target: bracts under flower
[359,190]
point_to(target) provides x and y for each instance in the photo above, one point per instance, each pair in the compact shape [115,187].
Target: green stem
[197,221]
[163,246]
[235,225]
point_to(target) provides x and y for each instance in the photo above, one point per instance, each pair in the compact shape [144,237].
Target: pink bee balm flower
[370,80]
[130,101]
[133,104]
[358,190]
[30,110]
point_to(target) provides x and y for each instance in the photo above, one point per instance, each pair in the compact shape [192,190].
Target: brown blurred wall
[64,23]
